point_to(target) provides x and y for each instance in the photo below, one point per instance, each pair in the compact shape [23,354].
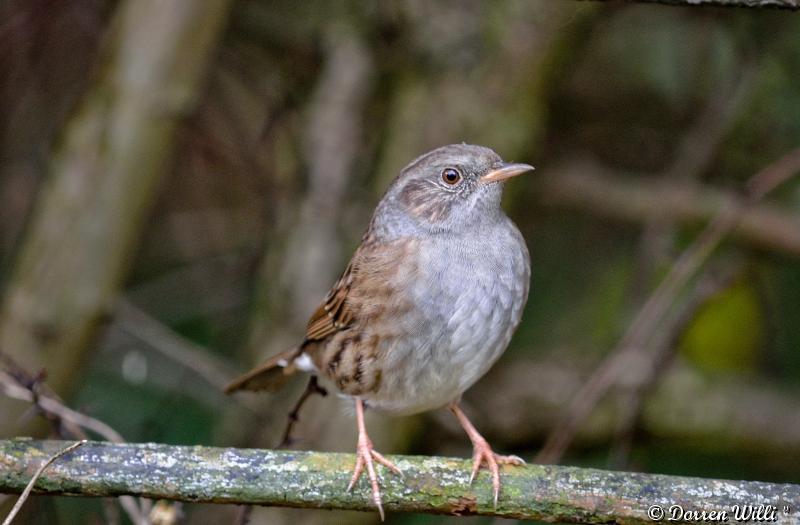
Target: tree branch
[103,177]
[318,480]
[583,184]
[35,477]
[686,405]
[776,4]
[658,305]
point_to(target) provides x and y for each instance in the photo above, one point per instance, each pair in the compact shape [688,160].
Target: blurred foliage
[727,332]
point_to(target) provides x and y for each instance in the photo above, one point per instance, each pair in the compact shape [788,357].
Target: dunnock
[427,304]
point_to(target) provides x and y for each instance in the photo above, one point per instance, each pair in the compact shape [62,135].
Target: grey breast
[468,301]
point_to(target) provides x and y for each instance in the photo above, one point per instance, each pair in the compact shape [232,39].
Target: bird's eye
[451,176]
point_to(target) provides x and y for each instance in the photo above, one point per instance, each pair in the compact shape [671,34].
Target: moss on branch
[319,480]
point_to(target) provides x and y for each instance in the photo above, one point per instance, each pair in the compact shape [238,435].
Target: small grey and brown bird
[426,305]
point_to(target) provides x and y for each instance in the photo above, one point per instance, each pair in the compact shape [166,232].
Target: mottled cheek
[425,201]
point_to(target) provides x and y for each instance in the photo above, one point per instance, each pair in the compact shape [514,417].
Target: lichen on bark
[318,480]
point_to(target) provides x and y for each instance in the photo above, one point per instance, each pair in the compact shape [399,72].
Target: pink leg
[364,456]
[483,453]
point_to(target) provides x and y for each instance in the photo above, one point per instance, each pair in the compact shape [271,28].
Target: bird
[427,304]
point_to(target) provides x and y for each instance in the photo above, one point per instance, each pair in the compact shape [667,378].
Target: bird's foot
[365,454]
[483,454]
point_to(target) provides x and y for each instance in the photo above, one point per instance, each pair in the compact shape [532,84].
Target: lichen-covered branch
[319,480]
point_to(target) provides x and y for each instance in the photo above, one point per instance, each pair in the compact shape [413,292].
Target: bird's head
[454,188]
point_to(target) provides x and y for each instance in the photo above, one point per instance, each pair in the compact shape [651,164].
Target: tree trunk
[103,178]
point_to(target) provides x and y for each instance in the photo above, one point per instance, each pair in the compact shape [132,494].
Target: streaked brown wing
[335,313]
[366,284]
[335,334]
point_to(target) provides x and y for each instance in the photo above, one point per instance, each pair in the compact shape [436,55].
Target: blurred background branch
[637,338]
[101,182]
[582,185]
[20,385]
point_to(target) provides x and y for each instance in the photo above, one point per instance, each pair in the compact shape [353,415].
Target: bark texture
[318,480]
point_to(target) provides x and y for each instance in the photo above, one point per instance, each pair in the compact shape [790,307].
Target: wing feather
[334,313]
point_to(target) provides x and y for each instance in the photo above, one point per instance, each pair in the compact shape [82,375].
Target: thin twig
[294,416]
[634,391]
[166,512]
[157,335]
[18,384]
[693,155]
[111,511]
[32,482]
[582,184]
[177,348]
[660,302]
[54,407]
[243,515]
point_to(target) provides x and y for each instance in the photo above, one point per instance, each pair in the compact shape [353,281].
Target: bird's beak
[506,171]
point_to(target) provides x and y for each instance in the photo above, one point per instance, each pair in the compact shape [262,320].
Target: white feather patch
[304,363]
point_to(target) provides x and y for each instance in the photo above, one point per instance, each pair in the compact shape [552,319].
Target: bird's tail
[270,375]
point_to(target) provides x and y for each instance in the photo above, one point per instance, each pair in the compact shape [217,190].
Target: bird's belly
[466,309]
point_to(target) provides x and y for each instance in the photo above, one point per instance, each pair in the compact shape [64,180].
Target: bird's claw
[365,455]
[483,453]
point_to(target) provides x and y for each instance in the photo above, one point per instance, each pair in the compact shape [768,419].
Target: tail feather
[270,375]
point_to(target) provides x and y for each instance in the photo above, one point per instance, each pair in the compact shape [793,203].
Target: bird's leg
[364,456]
[483,453]
[294,416]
